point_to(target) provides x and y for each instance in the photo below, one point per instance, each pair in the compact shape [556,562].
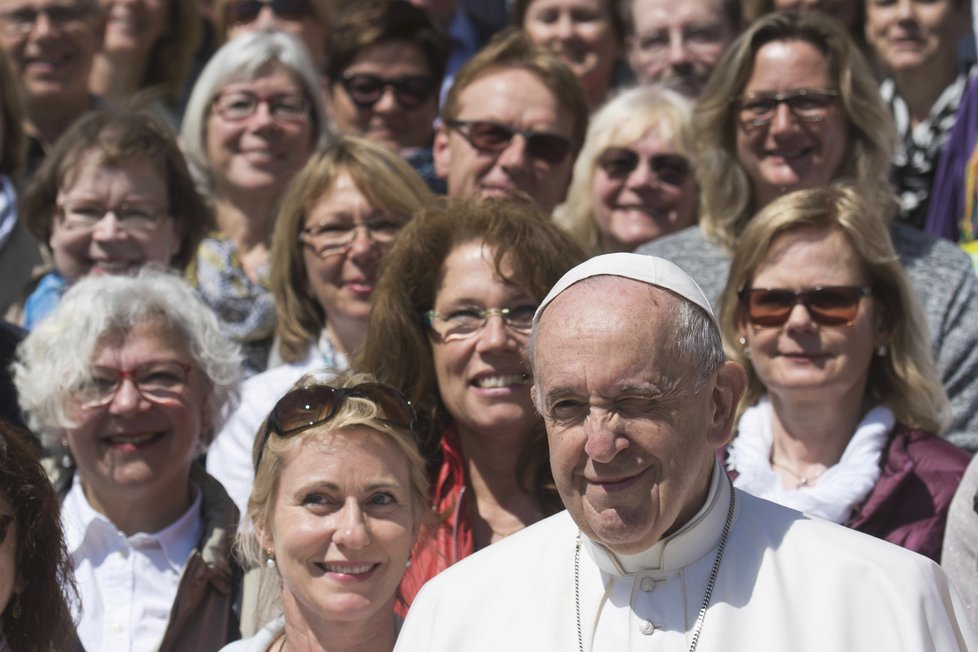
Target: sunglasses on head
[305,407]
[491,136]
[828,306]
[241,12]
[410,91]
[620,162]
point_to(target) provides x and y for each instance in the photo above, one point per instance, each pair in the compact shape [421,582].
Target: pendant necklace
[709,585]
[803,480]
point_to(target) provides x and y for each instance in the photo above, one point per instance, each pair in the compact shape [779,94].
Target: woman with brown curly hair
[451,315]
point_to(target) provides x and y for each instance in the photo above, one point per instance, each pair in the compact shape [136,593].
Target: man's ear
[442,152]
[729,385]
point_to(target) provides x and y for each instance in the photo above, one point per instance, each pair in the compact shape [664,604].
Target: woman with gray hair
[253,119]
[128,377]
[633,180]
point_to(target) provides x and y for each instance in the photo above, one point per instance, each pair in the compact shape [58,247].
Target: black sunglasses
[306,407]
[495,137]
[410,91]
[240,12]
[620,162]
[828,306]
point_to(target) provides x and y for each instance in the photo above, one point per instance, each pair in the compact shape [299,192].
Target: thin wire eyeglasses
[20,22]
[132,218]
[157,382]
[758,109]
[332,240]
[239,105]
[462,323]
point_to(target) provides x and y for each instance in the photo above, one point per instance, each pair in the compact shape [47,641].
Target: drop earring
[270,558]
[881,350]
[16,611]
[66,461]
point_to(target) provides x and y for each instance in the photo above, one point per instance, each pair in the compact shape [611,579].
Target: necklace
[709,585]
[803,480]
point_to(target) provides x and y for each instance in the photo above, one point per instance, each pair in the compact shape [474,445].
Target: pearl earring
[270,558]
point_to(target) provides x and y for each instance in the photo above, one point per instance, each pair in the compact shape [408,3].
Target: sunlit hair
[398,348]
[620,122]
[244,59]
[354,412]
[13,150]
[44,572]
[56,357]
[388,183]
[512,49]
[616,16]
[730,10]
[905,379]
[367,23]
[727,193]
[695,336]
[119,140]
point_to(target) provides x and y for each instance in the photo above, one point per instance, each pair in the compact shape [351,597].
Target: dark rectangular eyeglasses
[242,12]
[491,136]
[410,91]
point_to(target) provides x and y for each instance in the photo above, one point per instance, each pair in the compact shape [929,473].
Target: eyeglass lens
[160,382]
[334,239]
[495,137]
[410,91]
[22,21]
[809,104]
[132,218]
[828,306]
[241,105]
[620,162]
[464,322]
[240,12]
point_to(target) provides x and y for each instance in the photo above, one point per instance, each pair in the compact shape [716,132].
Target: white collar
[841,487]
[87,529]
[697,538]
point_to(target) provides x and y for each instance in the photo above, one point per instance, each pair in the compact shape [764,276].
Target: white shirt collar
[87,530]
[698,537]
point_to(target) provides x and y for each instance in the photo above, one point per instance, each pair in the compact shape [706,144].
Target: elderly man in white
[656,550]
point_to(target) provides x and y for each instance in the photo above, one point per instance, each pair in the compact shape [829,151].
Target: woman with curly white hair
[128,377]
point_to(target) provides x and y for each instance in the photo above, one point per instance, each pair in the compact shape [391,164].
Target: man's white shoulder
[514,592]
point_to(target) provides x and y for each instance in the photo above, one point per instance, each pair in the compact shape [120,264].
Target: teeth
[348,570]
[131,439]
[500,381]
[114,266]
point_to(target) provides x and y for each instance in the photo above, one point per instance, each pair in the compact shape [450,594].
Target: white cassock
[786,582]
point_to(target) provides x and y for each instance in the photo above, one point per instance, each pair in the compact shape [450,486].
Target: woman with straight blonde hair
[843,405]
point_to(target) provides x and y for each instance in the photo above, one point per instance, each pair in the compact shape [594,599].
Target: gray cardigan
[946,285]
